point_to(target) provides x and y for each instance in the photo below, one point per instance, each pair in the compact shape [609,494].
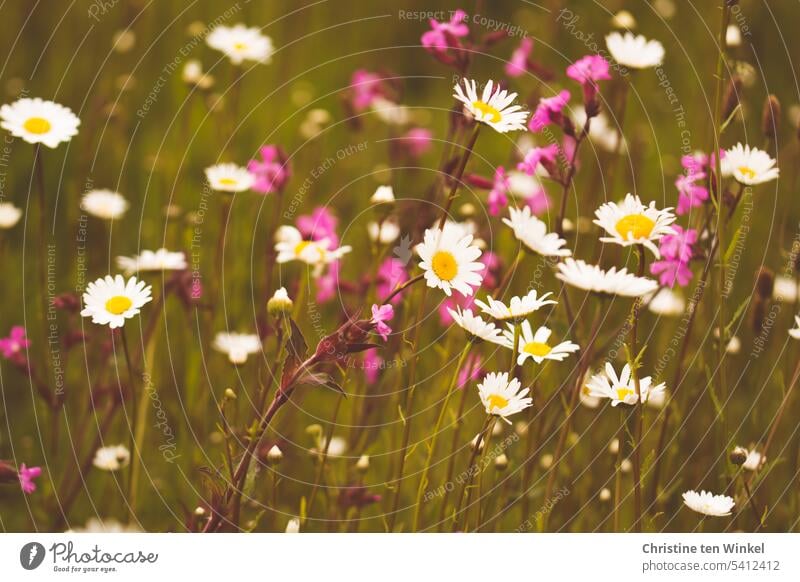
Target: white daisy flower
[502,397]
[534,345]
[518,309]
[105,204]
[632,223]
[39,121]
[237,346]
[9,215]
[754,461]
[523,185]
[666,302]
[160,260]
[532,232]
[112,300]
[657,399]
[193,74]
[708,503]
[449,260]
[112,458]
[474,325]
[385,232]
[621,389]
[293,526]
[785,289]
[383,194]
[612,282]
[795,333]
[601,132]
[241,43]
[229,178]
[493,107]
[633,51]
[291,246]
[749,166]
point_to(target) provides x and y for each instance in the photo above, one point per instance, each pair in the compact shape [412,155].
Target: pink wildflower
[380,315]
[548,111]
[15,342]
[26,477]
[518,64]
[271,172]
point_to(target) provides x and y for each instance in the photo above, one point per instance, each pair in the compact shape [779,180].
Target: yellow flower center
[37,125]
[537,349]
[300,248]
[623,393]
[240,46]
[118,304]
[227,181]
[488,112]
[635,226]
[497,402]
[444,265]
[746,172]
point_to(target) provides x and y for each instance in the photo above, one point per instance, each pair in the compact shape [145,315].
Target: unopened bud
[199,511]
[771,117]
[731,100]
[229,394]
[501,462]
[363,463]
[605,494]
[765,283]
[738,456]
[383,195]
[274,455]
[279,304]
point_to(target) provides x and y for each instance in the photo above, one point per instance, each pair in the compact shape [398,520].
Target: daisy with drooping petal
[39,121]
[633,51]
[449,260]
[532,232]
[112,458]
[612,282]
[160,260]
[9,215]
[104,204]
[534,345]
[749,166]
[476,328]
[241,43]
[229,178]
[291,246]
[237,346]
[708,503]
[754,461]
[112,300]
[493,107]
[518,308]
[621,389]
[632,223]
[795,333]
[502,397]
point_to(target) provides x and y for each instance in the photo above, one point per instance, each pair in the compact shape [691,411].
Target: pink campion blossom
[498,195]
[26,477]
[538,202]
[679,245]
[15,342]
[471,370]
[691,194]
[271,172]
[391,273]
[365,88]
[491,270]
[676,254]
[518,64]
[453,302]
[546,156]
[320,224]
[588,71]
[328,283]
[548,111]
[417,141]
[380,315]
[444,36]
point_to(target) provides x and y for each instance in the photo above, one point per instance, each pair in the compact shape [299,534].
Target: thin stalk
[471,466]
[423,481]
[133,469]
[324,456]
[639,406]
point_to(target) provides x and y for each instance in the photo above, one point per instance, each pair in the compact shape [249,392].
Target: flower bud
[383,195]
[765,283]
[738,456]
[731,99]
[199,511]
[605,494]
[771,117]
[362,464]
[279,304]
[274,455]
[501,462]
[229,394]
